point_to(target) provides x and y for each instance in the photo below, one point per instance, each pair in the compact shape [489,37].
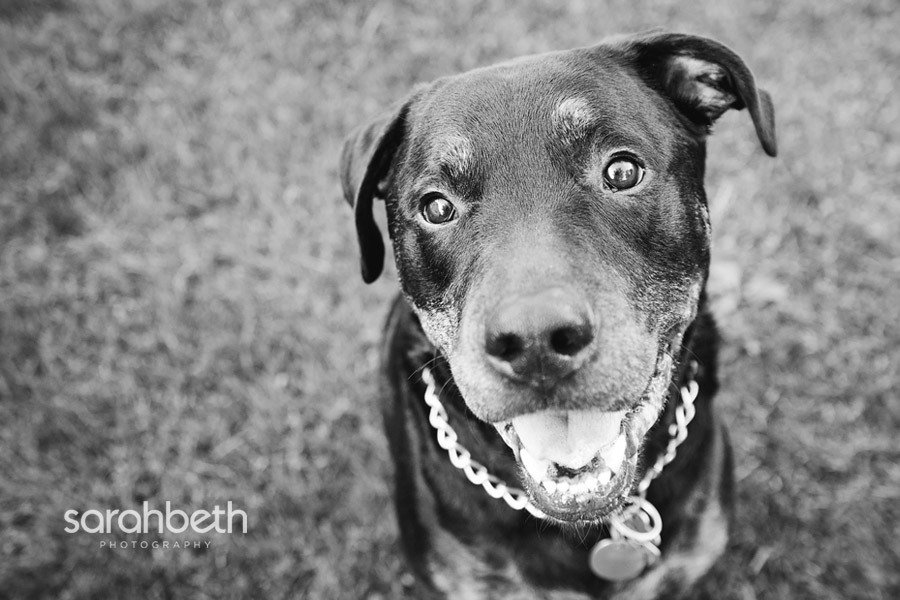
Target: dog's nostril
[570,340]
[505,346]
[538,338]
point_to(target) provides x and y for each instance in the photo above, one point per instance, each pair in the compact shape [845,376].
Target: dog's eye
[623,173]
[437,210]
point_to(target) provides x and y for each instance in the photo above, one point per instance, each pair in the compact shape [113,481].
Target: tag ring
[639,536]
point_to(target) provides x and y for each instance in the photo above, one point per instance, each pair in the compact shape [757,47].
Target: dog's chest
[459,573]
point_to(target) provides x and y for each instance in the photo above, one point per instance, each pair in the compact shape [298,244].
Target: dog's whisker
[417,372]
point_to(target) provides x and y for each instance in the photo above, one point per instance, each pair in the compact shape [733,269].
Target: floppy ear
[704,79]
[365,161]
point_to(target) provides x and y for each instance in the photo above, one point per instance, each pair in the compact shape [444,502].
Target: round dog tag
[618,560]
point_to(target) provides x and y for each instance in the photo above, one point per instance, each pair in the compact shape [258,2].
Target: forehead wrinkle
[573,118]
[455,154]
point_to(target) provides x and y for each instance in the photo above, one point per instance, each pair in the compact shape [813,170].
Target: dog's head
[550,229]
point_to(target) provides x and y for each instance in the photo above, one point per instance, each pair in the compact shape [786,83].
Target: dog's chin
[590,495]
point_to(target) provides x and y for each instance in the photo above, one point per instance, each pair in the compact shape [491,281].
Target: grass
[181,316]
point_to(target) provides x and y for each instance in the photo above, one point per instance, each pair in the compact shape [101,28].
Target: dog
[551,234]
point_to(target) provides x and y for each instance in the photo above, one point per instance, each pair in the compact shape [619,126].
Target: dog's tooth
[535,467]
[582,498]
[549,485]
[562,487]
[615,454]
[507,433]
[578,487]
[603,477]
[589,483]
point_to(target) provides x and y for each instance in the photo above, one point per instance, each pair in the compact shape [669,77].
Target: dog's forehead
[559,97]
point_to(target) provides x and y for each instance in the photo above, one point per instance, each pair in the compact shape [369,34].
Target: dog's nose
[540,338]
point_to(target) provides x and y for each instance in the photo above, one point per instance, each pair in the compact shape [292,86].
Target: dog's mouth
[579,465]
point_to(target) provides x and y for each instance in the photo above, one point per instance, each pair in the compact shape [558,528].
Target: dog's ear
[366,159]
[704,79]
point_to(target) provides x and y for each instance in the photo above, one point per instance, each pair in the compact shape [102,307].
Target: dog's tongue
[568,438]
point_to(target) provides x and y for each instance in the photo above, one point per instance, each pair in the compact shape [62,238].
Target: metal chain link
[517,499]
[684,414]
[462,459]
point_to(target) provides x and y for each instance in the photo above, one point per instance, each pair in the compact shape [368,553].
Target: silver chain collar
[636,526]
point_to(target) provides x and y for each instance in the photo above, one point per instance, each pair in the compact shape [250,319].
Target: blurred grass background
[181,316]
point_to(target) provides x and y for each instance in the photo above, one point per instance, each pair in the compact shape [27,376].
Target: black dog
[551,234]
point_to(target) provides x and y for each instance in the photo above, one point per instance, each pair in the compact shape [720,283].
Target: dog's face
[550,229]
